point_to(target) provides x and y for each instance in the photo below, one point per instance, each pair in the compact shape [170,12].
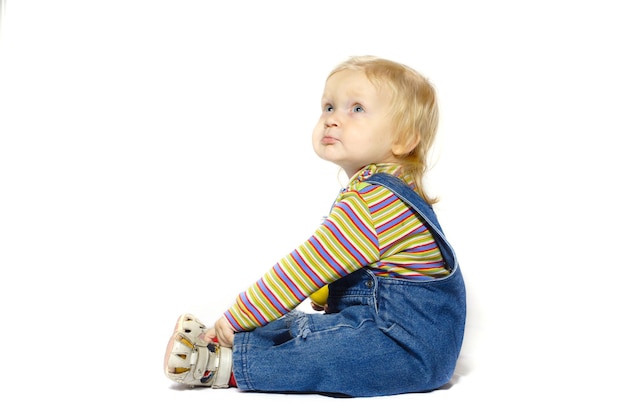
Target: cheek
[315,137]
[318,132]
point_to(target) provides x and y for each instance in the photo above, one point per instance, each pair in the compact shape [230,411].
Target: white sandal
[191,360]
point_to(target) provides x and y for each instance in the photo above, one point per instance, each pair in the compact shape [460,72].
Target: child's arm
[345,242]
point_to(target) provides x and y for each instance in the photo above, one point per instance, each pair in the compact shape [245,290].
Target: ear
[406,146]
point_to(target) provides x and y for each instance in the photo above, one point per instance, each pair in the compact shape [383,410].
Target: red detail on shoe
[231,381]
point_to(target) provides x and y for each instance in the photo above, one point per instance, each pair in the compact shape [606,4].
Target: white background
[155,159]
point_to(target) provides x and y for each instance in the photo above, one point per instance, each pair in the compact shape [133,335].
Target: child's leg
[334,353]
[382,337]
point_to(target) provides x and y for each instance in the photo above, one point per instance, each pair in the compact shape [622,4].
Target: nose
[331,121]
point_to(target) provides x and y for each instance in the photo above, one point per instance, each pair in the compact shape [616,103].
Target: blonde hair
[414,111]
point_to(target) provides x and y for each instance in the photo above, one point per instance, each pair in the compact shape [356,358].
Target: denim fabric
[380,336]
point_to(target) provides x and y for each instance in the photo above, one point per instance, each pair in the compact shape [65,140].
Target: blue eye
[358,108]
[327,108]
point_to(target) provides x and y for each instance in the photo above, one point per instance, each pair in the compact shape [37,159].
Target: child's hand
[223,331]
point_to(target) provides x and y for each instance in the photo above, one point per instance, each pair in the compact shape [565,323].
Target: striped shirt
[368,226]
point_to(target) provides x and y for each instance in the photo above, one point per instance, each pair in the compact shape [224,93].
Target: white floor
[155,159]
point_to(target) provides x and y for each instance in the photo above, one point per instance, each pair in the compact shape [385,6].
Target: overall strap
[423,210]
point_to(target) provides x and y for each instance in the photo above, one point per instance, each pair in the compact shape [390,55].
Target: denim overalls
[381,336]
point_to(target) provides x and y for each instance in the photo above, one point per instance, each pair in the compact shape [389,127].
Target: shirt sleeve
[345,242]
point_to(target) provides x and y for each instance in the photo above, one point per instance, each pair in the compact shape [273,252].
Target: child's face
[354,129]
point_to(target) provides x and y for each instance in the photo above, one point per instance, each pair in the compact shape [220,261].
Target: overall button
[369,283]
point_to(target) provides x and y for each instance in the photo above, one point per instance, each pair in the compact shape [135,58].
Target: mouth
[329,140]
